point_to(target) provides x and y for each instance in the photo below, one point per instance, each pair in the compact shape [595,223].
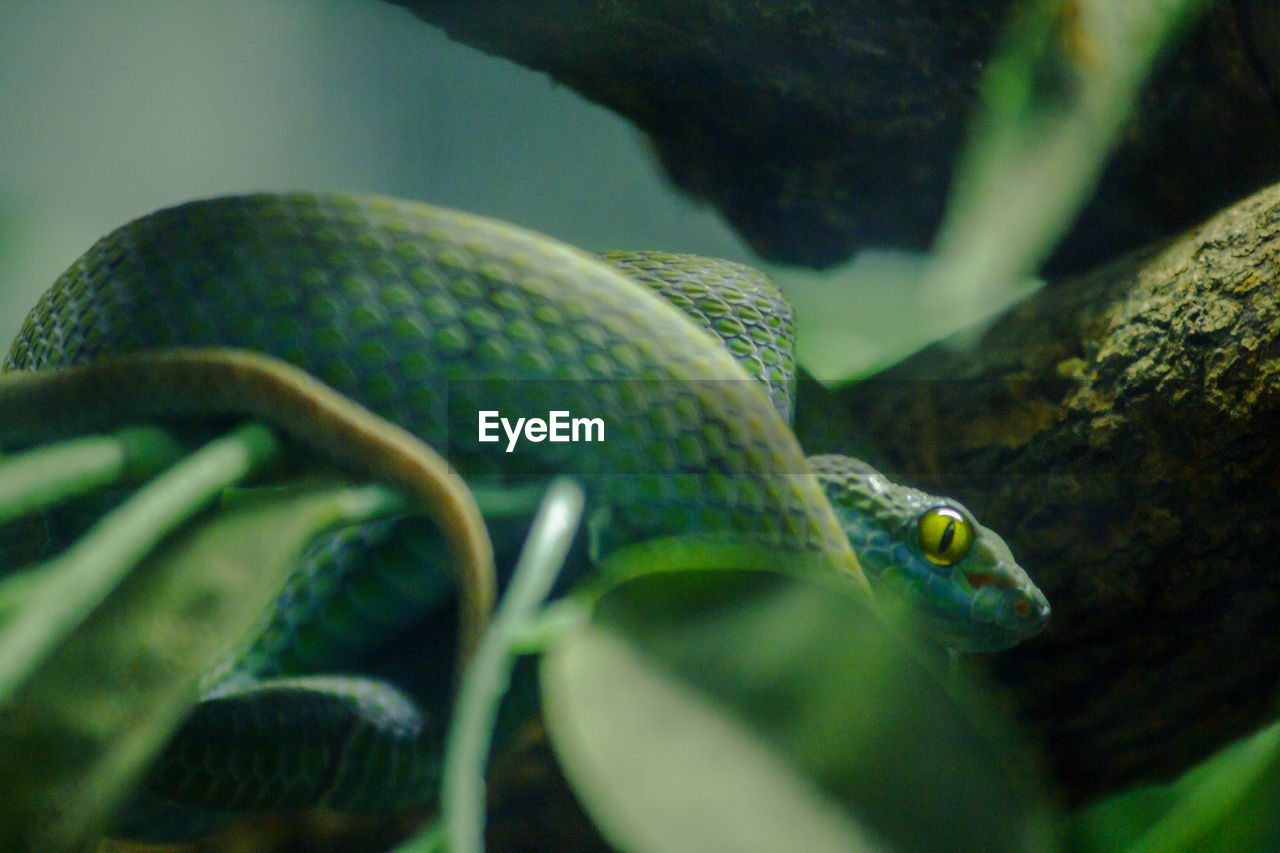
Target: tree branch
[819,128]
[1120,430]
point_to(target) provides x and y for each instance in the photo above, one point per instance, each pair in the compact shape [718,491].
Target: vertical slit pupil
[948,535]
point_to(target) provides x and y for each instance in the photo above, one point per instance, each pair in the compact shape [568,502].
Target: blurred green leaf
[703,710]
[84,725]
[663,768]
[49,474]
[1227,803]
[43,604]
[1056,98]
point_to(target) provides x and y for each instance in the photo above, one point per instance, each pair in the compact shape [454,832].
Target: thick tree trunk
[1122,431]
[817,128]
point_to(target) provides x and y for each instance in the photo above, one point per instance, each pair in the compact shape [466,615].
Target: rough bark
[819,127]
[1122,431]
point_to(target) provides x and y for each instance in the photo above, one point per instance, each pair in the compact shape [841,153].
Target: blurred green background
[114,109]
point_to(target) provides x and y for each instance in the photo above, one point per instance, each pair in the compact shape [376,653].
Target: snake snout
[1026,611]
[1031,611]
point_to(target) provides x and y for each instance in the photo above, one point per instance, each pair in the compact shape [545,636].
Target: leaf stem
[487,678]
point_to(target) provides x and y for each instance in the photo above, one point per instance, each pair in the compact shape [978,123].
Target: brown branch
[816,128]
[1122,431]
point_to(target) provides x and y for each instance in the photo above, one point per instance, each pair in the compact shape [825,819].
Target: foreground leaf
[488,674]
[52,599]
[1055,101]
[661,767]
[1226,803]
[743,712]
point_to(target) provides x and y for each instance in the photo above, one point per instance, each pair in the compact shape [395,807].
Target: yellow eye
[945,535]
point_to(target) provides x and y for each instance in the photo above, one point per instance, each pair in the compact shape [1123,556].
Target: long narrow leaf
[1056,100]
[43,476]
[738,711]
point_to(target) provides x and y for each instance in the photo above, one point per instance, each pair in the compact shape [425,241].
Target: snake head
[959,578]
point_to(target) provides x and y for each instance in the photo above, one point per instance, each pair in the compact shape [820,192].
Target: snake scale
[426,317]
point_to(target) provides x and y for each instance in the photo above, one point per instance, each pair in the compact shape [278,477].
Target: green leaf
[661,767]
[1226,803]
[42,604]
[1055,100]
[486,679]
[82,727]
[49,474]
[737,711]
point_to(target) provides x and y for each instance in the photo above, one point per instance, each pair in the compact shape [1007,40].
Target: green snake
[426,317]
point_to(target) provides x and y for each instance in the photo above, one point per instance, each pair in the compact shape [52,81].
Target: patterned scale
[425,316]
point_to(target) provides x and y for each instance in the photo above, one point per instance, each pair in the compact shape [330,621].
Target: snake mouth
[1001,601]
[1022,605]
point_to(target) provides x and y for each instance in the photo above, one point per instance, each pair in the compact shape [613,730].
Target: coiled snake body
[427,317]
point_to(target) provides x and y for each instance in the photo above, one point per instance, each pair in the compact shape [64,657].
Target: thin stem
[487,678]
